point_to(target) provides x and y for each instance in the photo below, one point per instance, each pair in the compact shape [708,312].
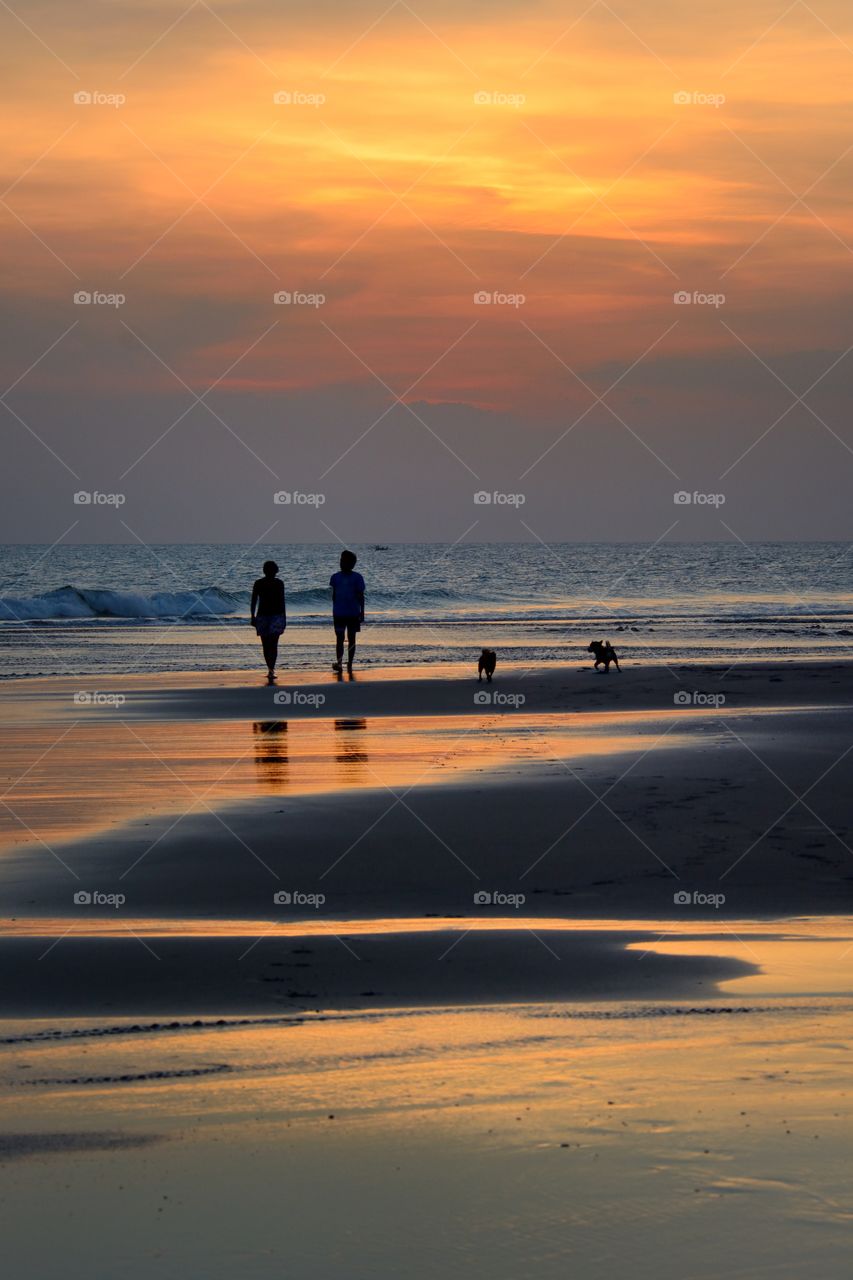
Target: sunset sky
[579,164]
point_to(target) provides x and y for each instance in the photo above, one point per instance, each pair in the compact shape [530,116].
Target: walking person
[269,617]
[347,608]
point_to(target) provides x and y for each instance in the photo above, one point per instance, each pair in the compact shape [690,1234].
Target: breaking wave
[85,602]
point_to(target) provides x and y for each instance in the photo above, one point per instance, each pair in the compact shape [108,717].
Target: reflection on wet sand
[105,771]
[349,750]
[271,758]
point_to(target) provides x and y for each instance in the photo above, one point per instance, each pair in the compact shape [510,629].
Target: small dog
[604,655]
[488,661]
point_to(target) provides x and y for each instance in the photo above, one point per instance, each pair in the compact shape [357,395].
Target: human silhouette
[347,608]
[269,617]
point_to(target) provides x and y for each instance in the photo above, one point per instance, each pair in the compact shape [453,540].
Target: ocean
[85,609]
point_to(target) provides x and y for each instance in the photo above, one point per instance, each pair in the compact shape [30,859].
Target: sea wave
[73,603]
[91,602]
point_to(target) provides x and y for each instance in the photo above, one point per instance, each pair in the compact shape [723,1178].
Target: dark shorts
[348,625]
[270,626]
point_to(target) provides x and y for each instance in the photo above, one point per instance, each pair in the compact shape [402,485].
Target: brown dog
[487,663]
[604,655]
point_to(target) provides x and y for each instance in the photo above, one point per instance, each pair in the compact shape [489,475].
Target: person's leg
[270,647]
[339,647]
[350,644]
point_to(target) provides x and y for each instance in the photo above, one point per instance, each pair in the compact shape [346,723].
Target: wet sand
[178,806]
[443,689]
[569,977]
[652,1138]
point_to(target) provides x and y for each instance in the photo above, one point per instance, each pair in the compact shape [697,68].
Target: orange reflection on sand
[805,956]
[107,771]
[817,959]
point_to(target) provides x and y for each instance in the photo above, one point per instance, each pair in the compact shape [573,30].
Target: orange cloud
[592,172]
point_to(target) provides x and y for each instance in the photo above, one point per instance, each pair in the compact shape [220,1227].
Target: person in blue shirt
[347,608]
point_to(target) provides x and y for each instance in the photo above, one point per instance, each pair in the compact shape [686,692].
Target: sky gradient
[581,166]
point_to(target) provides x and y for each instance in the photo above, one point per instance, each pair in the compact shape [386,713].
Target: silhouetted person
[347,608]
[268,613]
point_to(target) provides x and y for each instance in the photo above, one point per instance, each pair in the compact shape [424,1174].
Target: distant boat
[380,546]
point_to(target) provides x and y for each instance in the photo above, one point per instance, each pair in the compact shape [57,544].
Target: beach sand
[180,805]
[514,985]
